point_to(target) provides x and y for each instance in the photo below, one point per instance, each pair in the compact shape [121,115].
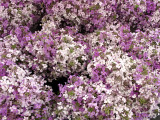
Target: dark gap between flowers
[54,84]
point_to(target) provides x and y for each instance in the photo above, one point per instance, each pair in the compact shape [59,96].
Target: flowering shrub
[106,51]
[24,96]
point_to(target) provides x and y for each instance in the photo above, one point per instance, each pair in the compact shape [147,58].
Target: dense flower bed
[79,59]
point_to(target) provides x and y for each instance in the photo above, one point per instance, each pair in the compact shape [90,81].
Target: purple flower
[38,115]
[37,106]
[3,111]
[2,70]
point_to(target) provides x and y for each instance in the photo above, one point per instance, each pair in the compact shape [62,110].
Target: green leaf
[83,85]
[65,40]
[95,95]
[77,104]
[155,80]
[60,48]
[86,116]
[141,13]
[144,72]
[107,110]
[147,18]
[136,6]
[131,47]
[68,10]
[128,102]
[108,53]
[126,118]
[13,46]
[44,118]
[134,116]
[9,36]
[100,117]
[115,68]
[114,17]
[71,50]
[77,46]
[154,43]
[98,33]
[125,31]
[74,79]
[95,7]
[71,93]
[126,112]
[58,111]
[80,59]
[90,109]
[142,101]
[113,64]
[156,111]
[71,64]
[19,12]
[9,11]
[77,118]
[154,51]
[77,6]
[4,56]
[133,66]
[27,93]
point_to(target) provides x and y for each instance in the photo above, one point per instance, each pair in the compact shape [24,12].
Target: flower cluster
[120,96]
[107,50]
[24,96]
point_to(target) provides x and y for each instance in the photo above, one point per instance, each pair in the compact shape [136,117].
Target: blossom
[107,50]
[4,118]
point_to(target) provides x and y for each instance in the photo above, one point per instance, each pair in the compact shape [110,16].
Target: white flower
[124,99]
[65,95]
[120,108]
[118,66]
[65,112]
[139,82]
[22,57]
[13,108]
[4,118]
[21,73]
[126,108]
[109,67]
[16,52]
[9,55]
[44,66]
[22,90]
[108,92]
[79,90]
[5,87]
[85,97]
[25,118]
[71,86]
[84,58]
[134,96]
[4,78]
[130,114]
[60,106]
[68,6]
[118,117]
[27,113]
[152,100]
[10,90]
[108,100]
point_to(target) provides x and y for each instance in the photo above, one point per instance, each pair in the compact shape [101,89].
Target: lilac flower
[108,50]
